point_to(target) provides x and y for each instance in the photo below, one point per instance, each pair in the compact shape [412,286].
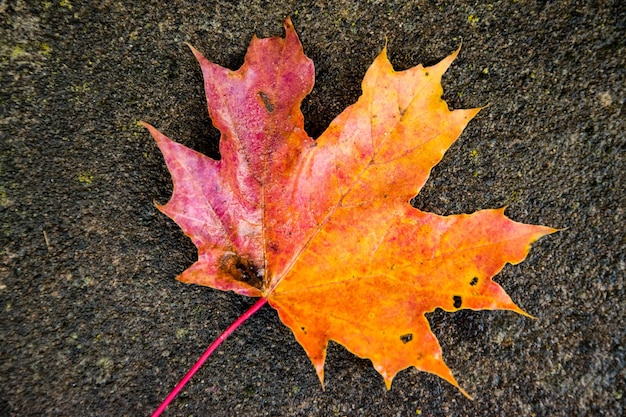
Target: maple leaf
[323,229]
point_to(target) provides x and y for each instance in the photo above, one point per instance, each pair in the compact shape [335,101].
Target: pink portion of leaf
[221,205]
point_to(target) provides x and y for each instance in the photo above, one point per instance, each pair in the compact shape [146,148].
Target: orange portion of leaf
[366,281]
[324,228]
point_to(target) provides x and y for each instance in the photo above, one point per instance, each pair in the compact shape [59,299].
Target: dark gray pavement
[93,322]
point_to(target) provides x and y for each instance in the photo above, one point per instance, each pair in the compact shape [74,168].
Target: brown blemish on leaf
[241,270]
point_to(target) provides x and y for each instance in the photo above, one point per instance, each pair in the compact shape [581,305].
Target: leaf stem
[245,316]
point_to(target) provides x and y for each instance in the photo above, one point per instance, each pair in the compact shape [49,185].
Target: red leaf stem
[208,353]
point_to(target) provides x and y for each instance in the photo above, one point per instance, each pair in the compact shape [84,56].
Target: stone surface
[93,322]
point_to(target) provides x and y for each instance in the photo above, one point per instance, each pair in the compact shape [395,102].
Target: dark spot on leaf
[304,329]
[458,301]
[241,269]
[406,338]
[272,246]
[269,106]
[426,74]
[402,111]
[474,281]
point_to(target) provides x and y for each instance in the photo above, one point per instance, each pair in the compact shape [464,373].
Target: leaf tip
[160,207]
[453,381]
[290,30]
[159,137]
[454,54]
[319,369]
[383,60]
[388,382]
[523,313]
[445,63]
[196,53]
[288,24]
[153,130]
[469,397]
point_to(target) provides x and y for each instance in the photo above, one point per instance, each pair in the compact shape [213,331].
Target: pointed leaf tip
[195,52]
[288,24]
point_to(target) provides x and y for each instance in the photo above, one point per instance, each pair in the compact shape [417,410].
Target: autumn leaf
[323,229]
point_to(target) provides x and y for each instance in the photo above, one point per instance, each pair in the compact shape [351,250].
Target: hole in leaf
[474,281]
[269,106]
[406,338]
[458,301]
